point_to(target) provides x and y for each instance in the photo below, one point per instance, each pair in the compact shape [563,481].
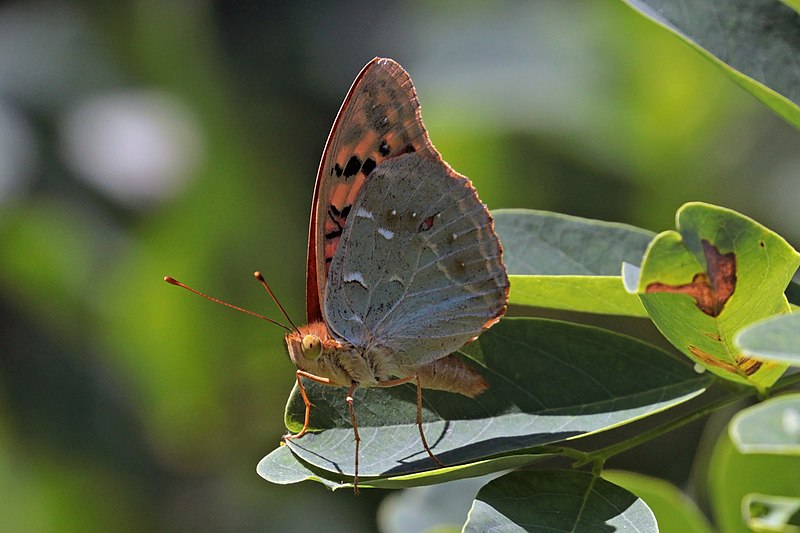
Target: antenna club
[171,280]
[263,282]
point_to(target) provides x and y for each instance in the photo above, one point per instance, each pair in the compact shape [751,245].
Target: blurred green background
[139,139]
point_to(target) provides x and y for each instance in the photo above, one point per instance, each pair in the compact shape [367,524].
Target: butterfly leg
[400,381]
[308,404]
[350,392]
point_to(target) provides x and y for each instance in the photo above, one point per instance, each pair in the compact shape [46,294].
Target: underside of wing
[419,268]
[379,119]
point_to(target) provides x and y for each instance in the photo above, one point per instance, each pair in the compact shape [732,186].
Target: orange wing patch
[379,119]
[712,289]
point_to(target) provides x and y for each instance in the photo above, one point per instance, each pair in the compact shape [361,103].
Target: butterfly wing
[379,119]
[419,267]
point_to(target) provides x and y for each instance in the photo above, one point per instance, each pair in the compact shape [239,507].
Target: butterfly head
[308,347]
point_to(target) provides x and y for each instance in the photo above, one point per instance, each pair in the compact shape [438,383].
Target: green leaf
[587,294]
[549,381]
[734,475]
[431,508]
[755,42]
[764,512]
[794,4]
[557,501]
[718,273]
[564,262]
[674,510]
[772,426]
[541,242]
[282,467]
[774,339]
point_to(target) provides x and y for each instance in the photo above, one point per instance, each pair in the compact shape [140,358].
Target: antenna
[173,281]
[260,278]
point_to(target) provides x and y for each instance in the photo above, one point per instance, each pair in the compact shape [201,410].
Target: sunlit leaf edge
[779,103]
[303,471]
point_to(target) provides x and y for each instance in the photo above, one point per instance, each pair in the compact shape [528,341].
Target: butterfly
[404,267]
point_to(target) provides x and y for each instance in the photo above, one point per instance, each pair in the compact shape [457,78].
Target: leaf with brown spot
[724,254]
[746,366]
[710,291]
[710,360]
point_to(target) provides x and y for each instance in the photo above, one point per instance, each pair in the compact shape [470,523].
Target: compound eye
[312,347]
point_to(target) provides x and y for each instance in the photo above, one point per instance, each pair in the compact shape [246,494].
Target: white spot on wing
[355,276]
[363,213]
[385,233]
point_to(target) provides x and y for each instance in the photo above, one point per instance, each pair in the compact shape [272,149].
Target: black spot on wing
[384,149]
[346,210]
[352,167]
[338,170]
[333,234]
[368,166]
[409,149]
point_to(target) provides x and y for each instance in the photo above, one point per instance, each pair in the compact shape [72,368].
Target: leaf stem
[620,447]
[598,457]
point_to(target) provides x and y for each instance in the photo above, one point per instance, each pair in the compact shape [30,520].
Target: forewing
[379,119]
[419,267]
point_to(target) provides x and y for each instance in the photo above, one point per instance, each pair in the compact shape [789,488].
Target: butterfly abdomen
[451,374]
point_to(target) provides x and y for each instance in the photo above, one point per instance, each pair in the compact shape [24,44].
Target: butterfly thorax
[313,349]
